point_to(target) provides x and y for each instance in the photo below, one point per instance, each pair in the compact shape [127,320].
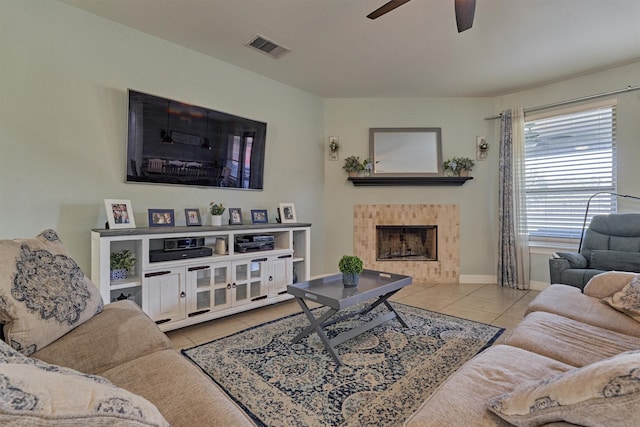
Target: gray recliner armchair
[612,242]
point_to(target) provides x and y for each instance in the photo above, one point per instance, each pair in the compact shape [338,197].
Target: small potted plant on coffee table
[350,266]
[121,264]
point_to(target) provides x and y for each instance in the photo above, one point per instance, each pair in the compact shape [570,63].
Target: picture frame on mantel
[119,213]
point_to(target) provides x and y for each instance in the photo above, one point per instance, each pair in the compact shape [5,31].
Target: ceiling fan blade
[386,8]
[465,9]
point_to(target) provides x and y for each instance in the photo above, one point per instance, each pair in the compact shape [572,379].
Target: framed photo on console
[235,216]
[161,218]
[119,214]
[259,216]
[287,213]
[192,216]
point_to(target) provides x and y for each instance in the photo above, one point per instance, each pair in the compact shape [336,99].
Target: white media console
[179,279]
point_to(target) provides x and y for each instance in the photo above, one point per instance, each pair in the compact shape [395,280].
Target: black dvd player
[255,242]
[162,255]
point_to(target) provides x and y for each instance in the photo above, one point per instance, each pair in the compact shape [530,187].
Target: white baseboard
[477,278]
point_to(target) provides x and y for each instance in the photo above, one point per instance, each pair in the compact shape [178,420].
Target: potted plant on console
[350,266]
[216,209]
[122,262]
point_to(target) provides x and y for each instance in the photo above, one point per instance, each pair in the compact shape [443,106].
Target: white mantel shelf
[408,180]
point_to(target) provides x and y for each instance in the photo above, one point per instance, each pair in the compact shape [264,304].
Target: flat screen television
[170,142]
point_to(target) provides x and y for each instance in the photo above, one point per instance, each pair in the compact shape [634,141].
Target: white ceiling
[414,51]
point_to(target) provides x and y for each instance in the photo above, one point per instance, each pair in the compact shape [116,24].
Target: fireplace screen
[407,243]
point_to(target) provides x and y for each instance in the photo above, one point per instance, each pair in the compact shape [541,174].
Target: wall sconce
[482,148]
[334,146]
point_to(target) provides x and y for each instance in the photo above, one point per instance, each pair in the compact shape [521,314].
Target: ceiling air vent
[267,46]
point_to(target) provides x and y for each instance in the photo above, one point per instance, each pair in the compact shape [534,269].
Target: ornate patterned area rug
[388,371]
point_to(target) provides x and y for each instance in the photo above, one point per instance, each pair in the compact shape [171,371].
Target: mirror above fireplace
[405,152]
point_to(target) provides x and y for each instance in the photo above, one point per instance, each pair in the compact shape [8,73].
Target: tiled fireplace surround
[447,217]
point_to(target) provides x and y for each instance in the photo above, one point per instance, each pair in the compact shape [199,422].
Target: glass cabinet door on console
[249,279]
[209,288]
[166,294]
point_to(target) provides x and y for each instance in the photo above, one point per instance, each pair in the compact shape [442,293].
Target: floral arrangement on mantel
[457,166]
[352,165]
[216,208]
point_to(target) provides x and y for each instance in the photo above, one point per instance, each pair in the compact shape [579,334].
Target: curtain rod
[571,101]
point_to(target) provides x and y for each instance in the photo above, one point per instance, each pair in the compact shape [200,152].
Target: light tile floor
[487,303]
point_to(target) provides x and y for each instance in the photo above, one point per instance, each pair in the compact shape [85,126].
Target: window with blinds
[569,157]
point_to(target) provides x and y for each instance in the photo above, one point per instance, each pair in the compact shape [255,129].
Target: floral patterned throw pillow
[627,300]
[605,393]
[43,292]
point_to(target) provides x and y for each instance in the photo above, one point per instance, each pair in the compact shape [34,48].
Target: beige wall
[63,80]
[461,120]
[64,76]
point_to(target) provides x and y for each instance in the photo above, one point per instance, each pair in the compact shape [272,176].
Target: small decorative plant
[121,263]
[367,165]
[457,164]
[122,260]
[466,163]
[216,208]
[352,164]
[350,266]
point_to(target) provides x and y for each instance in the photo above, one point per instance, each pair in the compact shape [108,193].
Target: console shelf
[198,284]
[408,180]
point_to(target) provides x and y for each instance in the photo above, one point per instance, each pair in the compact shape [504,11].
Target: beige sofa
[67,360]
[572,360]
[124,346]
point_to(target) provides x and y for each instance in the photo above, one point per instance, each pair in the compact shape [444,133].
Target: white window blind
[569,157]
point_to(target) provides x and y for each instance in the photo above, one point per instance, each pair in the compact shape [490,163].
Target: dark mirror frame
[406,152]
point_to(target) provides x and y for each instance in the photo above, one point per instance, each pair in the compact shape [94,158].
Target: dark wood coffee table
[330,292]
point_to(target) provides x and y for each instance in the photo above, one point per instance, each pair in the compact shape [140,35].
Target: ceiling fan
[465,10]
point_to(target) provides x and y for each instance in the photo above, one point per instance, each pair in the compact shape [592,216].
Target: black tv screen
[170,142]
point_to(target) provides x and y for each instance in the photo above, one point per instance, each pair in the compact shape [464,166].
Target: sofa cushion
[569,341]
[578,277]
[122,332]
[608,283]
[615,260]
[569,302]
[602,393]
[461,399]
[32,396]
[627,300]
[179,390]
[35,393]
[43,292]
